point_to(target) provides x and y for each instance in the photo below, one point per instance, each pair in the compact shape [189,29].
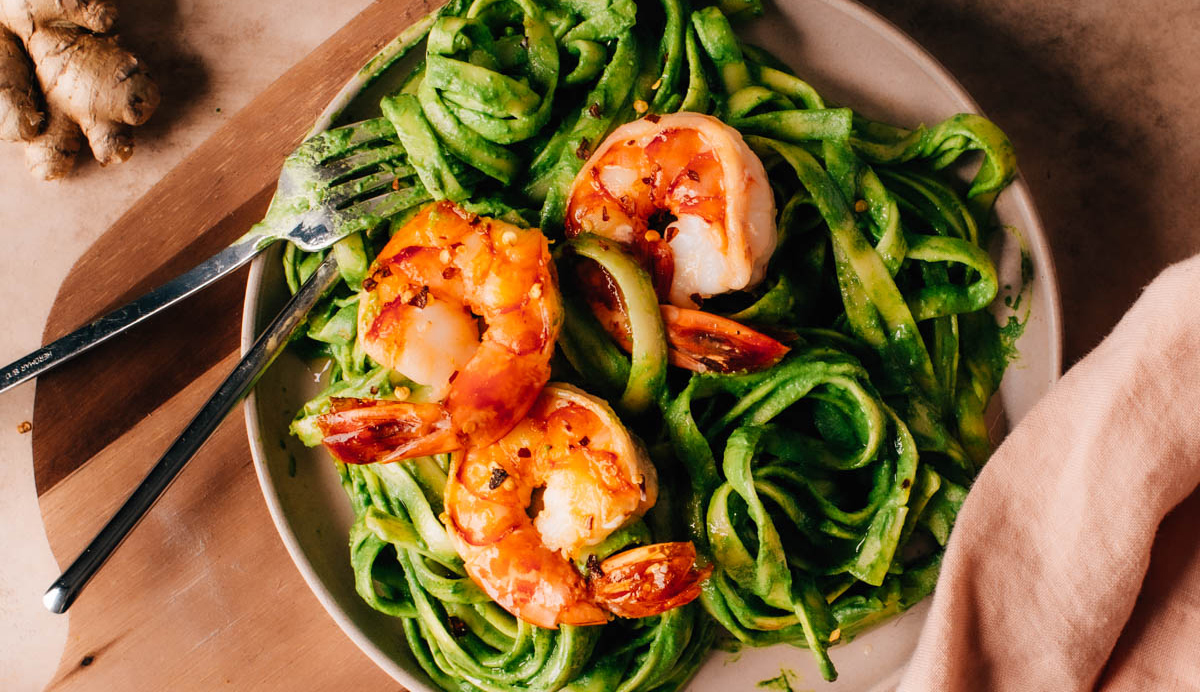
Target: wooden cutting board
[202,595]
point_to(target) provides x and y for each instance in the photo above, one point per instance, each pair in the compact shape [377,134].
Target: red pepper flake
[499,475]
[653,117]
[452,376]
[604,213]
[396,184]
[420,300]
[593,567]
[629,143]
[595,111]
[369,283]
[458,628]
[374,390]
[693,175]
[584,150]
[524,453]
[860,206]
[648,180]
[672,231]
[905,483]
[584,441]
[449,272]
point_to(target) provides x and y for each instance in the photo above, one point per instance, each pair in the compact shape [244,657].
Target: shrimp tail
[698,341]
[367,431]
[649,580]
[704,342]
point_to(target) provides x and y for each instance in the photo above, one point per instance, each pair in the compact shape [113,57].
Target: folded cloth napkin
[1075,561]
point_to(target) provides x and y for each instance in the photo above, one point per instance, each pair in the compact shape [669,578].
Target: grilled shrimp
[685,192]
[594,478]
[439,276]
[692,202]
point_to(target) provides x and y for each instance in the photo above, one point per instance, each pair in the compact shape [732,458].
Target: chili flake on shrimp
[440,275]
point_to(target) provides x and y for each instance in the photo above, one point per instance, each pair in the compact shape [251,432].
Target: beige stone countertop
[1098,96]
[210,58]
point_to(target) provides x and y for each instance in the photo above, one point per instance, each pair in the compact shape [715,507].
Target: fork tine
[365,186]
[361,159]
[393,202]
[367,130]
[352,170]
[332,144]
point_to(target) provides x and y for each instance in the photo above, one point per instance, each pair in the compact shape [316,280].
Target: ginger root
[61,79]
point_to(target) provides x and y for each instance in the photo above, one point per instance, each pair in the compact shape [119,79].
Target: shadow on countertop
[156,31]
[1101,106]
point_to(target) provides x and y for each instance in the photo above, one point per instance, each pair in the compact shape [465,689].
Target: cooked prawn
[685,192]
[692,202]
[441,274]
[594,478]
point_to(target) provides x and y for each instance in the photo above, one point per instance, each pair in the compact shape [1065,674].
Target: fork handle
[117,321]
[62,593]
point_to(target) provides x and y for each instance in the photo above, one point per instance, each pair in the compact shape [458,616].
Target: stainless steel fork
[336,183]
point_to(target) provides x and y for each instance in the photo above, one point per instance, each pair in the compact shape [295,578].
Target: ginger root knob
[89,86]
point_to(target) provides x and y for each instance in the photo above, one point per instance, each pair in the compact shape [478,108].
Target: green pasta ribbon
[802,484]
[646,376]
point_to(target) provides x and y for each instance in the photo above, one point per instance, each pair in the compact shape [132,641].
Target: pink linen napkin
[1054,577]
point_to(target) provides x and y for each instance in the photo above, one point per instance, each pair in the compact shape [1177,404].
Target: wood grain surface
[202,595]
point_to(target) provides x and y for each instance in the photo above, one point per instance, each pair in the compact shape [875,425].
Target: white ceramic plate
[852,56]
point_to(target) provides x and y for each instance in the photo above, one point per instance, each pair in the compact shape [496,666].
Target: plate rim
[931,66]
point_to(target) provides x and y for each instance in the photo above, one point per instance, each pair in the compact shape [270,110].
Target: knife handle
[117,321]
[62,593]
